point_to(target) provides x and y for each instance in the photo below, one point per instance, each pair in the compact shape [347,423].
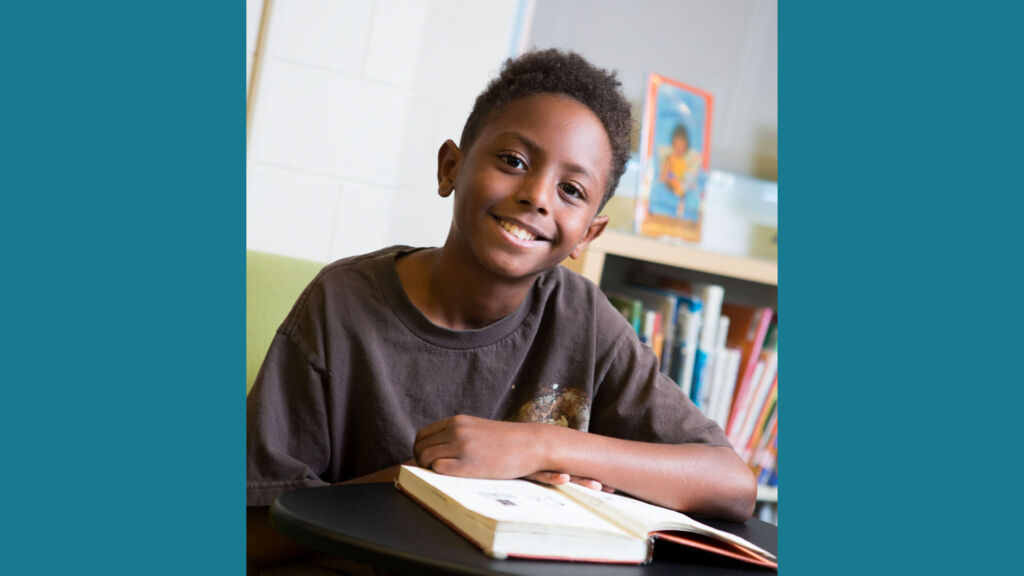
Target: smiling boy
[484,357]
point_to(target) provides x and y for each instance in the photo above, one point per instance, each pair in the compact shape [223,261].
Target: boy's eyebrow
[535,148]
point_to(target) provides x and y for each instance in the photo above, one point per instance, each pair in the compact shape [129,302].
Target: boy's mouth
[517,230]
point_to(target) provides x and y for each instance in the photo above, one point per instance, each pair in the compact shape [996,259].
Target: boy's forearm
[692,478]
[689,477]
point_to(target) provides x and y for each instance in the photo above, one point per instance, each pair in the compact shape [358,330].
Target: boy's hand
[556,478]
[480,448]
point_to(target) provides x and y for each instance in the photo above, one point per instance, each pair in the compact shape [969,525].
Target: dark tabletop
[378,525]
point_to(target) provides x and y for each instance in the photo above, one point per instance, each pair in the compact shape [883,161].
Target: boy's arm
[691,478]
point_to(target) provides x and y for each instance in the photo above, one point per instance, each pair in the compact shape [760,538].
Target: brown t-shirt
[355,370]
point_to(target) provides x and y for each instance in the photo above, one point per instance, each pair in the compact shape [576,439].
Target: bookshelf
[653,251]
[747,281]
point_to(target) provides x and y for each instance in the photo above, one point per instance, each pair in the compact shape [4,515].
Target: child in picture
[679,169]
[484,357]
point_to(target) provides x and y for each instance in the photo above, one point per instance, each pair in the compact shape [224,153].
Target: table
[378,525]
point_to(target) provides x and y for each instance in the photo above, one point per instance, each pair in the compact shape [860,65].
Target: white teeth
[516,231]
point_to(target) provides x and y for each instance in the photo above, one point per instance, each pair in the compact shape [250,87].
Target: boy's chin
[519,267]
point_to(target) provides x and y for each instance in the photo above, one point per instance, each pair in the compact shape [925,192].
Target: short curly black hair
[559,72]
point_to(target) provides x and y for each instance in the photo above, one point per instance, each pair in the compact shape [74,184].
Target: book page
[637,517]
[517,501]
[642,518]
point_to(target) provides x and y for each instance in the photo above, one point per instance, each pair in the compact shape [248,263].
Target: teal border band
[122,415]
[900,127]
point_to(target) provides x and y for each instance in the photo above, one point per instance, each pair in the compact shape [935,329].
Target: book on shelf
[752,376]
[722,394]
[652,332]
[660,309]
[711,295]
[684,351]
[519,518]
[722,355]
[682,331]
[761,422]
[716,366]
[763,454]
[631,308]
[766,461]
[748,333]
[749,407]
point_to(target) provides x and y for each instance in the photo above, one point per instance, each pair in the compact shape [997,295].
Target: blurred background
[349,100]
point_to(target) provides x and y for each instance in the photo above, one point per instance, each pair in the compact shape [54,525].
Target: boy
[461,358]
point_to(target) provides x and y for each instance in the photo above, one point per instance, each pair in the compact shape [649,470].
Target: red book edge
[716,547]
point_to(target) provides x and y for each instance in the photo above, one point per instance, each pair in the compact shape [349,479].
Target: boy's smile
[521,233]
[529,187]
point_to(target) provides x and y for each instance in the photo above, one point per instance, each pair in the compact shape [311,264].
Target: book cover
[675,146]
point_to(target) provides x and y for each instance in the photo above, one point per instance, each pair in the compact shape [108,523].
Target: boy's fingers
[547,477]
[438,439]
[427,455]
[588,482]
[432,429]
[447,466]
[440,436]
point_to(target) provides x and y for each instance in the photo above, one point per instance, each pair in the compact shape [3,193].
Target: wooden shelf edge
[679,256]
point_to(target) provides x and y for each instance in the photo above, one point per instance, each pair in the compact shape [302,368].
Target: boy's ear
[595,230]
[449,159]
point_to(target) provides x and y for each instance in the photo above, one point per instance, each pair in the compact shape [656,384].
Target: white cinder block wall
[351,102]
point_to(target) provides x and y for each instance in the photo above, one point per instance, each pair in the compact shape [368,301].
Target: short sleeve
[287,436]
[635,401]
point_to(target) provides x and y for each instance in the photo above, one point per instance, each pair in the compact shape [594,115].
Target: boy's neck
[455,296]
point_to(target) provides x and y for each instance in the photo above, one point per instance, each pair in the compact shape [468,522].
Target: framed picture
[675,146]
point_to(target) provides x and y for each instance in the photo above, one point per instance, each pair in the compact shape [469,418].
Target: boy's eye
[571,190]
[512,160]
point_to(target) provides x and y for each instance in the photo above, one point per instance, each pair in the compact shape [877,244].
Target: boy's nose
[536,194]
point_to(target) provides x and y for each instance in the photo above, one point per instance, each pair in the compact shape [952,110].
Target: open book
[567,522]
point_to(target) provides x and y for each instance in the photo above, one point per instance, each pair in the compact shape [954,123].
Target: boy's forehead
[541,105]
[566,125]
